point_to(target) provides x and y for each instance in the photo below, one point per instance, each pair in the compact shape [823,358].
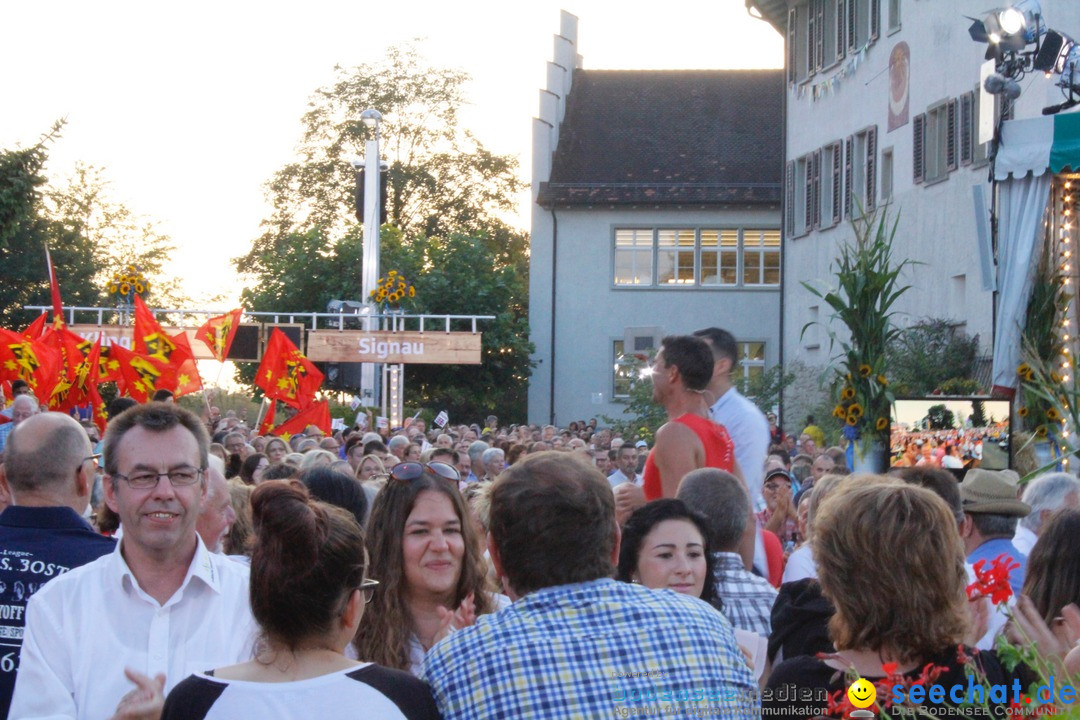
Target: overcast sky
[192,107]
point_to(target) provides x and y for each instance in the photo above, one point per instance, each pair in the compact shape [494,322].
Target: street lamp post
[372,223]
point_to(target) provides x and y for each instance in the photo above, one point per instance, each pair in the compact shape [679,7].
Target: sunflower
[1023,369]
[140,288]
[125,289]
[1055,377]
[412,291]
[114,288]
[392,273]
[847,393]
[852,420]
[865,370]
[882,423]
[839,412]
[1041,431]
[1053,414]
[1022,412]
[883,381]
[855,410]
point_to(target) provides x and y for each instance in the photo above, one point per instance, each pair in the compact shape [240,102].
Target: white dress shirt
[749,431]
[619,477]
[1023,540]
[84,627]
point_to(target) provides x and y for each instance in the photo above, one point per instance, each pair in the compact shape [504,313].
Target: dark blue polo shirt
[36,545]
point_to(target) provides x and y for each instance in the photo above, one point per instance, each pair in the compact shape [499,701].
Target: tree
[940,418]
[25,227]
[928,354]
[446,198]
[978,414]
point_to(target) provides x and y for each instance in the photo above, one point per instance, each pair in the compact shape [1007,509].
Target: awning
[1035,145]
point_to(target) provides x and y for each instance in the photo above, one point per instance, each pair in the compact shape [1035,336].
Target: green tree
[978,413]
[940,418]
[928,354]
[25,227]
[444,230]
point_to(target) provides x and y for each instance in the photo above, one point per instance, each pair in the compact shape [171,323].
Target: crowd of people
[186,567]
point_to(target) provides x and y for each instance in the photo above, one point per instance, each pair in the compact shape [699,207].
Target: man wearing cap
[991,512]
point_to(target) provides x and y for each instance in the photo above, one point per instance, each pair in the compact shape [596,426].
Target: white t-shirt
[362,691]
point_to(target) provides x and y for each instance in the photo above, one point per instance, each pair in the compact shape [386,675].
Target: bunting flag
[54,284]
[218,333]
[37,328]
[31,360]
[285,374]
[317,414]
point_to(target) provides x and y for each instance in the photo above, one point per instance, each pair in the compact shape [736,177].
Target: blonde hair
[892,563]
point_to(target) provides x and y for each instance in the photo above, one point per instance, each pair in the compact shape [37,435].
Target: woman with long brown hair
[429,563]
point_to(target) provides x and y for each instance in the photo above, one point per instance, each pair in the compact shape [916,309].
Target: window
[801,199]
[831,185]
[860,172]
[707,257]
[751,359]
[936,142]
[633,257]
[863,20]
[761,257]
[624,366]
[821,32]
[894,15]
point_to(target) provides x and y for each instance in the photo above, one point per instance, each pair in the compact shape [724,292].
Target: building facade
[656,211]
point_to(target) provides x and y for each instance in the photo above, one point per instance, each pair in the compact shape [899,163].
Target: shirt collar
[729,561]
[202,567]
[57,517]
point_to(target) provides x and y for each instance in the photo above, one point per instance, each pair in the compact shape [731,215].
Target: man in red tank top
[689,440]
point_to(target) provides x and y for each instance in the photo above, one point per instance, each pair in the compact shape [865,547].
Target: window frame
[720,229]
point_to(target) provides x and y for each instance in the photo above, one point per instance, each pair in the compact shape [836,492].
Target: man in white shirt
[626,462]
[1046,494]
[158,608]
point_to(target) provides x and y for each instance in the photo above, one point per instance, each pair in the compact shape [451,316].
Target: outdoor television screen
[956,433]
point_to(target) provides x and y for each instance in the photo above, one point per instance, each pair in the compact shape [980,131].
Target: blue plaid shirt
[596,649]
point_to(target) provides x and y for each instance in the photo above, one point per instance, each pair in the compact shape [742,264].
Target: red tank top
[719,451]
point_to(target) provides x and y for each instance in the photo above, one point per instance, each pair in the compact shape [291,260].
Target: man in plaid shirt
[720,496]
[575,643]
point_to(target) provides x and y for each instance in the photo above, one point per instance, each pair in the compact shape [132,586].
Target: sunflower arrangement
[125,285]
[391,290]
[868,286]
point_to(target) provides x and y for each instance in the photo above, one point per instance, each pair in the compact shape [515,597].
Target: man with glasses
[155,609]
[50,472]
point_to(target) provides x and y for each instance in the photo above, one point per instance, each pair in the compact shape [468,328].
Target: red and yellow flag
[285,374]
[34,361]
[317,414]
[218,333]
[37,328]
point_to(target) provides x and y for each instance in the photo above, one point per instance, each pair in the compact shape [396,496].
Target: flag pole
[262,412]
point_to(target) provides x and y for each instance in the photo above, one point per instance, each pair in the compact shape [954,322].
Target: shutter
[816,159]
[950,135]
[811,35]
[837,184]
[871,168]
[819,34]
[840,46]
[847,176]
[875,19]
[791,28]
[808,193]
[918,157]
[852,40]
[966,128]
[789,195]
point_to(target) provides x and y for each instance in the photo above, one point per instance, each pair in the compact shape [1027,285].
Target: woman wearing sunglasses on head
[429,564]
[308,592]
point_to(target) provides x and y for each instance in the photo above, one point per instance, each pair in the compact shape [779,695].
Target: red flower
[890,668]
[993,582]
[961,655]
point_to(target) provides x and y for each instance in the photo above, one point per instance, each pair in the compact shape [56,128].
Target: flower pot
[871,456]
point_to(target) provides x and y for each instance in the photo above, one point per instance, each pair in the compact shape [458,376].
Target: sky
[191,108]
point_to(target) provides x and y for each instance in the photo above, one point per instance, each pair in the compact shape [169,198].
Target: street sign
[431,348]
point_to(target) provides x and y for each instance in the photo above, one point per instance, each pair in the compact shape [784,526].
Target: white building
[882,108]
[656,211]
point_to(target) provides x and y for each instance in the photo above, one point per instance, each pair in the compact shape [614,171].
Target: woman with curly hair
[429,562]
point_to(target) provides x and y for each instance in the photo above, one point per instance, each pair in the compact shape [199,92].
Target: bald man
[49,471]
[216,514]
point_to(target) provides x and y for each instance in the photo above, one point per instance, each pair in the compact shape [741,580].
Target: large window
[935,143]
[705,257]
[822,32]
[623,378]
[860,172]
[751,359]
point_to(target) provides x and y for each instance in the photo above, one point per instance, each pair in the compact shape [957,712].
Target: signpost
[395,348]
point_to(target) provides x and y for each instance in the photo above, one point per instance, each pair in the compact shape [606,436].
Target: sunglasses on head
[409,471]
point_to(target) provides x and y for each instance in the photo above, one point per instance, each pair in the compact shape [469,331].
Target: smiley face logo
[862,693]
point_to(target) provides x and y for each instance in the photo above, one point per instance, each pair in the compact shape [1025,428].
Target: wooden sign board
[246,342]
[359,346]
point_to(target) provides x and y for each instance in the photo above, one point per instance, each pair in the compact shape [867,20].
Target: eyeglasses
[368,588]
[93,457]
[409,471]
[179,477]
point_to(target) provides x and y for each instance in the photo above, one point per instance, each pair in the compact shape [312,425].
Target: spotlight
[1060,55]
[1009,29]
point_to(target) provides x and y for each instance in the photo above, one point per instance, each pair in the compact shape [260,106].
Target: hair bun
[286,525]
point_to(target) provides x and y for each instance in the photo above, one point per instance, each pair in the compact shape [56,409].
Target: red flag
[58,307]
[31,360]
[37,328]
[218,333]
[109,368]
[268,421]
[86,378]
[317,414]
[183,367]
[140,374]
[97,407]
[285,374]
[150,339]
[170,355]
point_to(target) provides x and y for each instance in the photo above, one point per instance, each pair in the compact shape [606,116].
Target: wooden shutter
[875,19]
[792,19]
[808,193]
[852,38]
[918,157]
[848,145]
[967,128]
[837,184]
[789,195]
[811,35]
[841,47]
[819,34]
[871,168]
[815,157]
[950,135]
